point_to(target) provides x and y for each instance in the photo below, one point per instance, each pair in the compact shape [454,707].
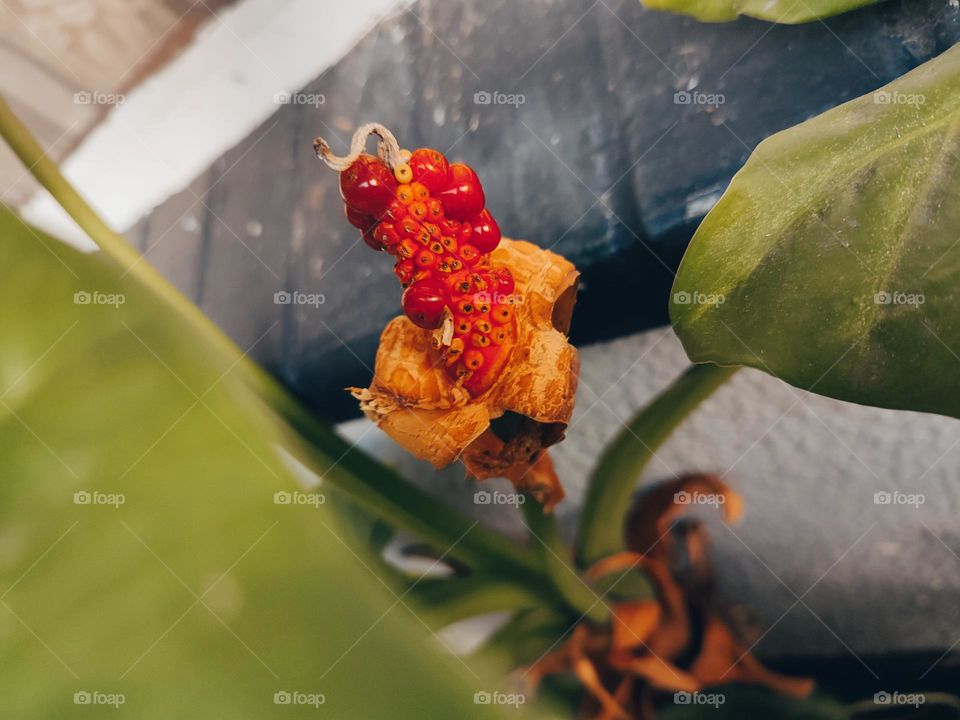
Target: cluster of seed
[430,215]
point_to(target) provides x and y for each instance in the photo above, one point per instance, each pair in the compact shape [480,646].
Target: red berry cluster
[430,215]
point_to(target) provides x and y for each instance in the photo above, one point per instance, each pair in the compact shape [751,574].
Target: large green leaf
[198,596]
[833,260]
[782,11]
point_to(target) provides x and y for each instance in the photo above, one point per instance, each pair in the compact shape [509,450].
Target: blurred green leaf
[143,551]
[832,260]
[781,11]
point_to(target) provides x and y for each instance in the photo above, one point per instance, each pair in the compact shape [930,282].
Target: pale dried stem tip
[388,149]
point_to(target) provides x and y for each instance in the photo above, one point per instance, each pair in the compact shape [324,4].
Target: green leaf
[781,11]
[832,261]
[174,578]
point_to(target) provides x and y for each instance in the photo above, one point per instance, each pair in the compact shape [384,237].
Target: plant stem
[615,475]
[447,600]
[556,559]
[375,487]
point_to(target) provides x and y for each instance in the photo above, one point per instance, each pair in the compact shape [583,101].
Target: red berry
[368,186]
[370,240]
[463,196]
[430,168]
[465,234]
[503,281]
[423,303]
[386,234]
[486,232]
[396,211]
[405,270]
[410,228]
[357,219]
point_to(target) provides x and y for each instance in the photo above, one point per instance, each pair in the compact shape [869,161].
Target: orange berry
[502,314]
[473,359]
[418,209]
[403,173]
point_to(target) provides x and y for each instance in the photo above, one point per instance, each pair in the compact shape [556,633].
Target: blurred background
[601,130]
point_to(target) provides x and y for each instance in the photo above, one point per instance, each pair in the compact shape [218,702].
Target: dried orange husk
[672,633]
[724,659]
[648,523]
[416,403]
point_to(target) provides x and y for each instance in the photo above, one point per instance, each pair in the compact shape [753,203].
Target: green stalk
[378,489]
[557,562]
[446,600]
[614,477]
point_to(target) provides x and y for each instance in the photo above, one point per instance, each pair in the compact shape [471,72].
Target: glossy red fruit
[423,303]
[463,197]
[430,168]
[370,240]
[368,186]
[503,281]
[386,234]
[357,219]
[405,270]
[486,232]
[395,211]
